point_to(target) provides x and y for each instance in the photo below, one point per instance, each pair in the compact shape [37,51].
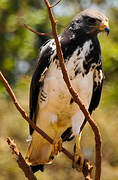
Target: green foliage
[17,43]
[110,49]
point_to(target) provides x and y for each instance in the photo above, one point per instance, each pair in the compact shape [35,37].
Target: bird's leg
[78,157]
[57,145]
[57,142]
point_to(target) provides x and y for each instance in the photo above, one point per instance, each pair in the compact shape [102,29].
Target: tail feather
[35,158]
[37,168]
[38,152]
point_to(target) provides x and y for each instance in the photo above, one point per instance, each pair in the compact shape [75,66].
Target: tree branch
[87,170]
[55,4]
[74,93]
[38,33]
[20,160]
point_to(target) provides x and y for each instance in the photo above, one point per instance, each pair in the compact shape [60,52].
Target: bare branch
[75,95]
[87,170]
[25,116]
[20,160]
[55,4]
[21,110]
[39,33]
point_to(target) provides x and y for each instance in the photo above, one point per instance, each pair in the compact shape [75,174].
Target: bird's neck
[79,37]
[71,41]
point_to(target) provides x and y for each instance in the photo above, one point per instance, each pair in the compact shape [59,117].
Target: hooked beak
[107,30]
[104,26]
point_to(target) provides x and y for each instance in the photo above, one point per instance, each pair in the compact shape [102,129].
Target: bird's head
[91,22]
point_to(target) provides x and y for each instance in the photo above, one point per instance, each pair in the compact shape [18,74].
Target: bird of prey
[52,108]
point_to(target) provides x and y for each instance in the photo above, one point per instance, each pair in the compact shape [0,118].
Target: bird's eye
[78,21]
[91,20]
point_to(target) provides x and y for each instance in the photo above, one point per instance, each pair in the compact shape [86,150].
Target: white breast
[58,97]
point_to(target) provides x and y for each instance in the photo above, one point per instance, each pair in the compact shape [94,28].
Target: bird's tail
[39,151]
[37,168]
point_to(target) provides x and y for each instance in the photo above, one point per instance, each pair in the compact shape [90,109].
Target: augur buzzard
[51,106]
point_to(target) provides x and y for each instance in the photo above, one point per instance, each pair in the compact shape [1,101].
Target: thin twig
[21,110]
[75,95]
[20,160]
[55,4]
[38,33]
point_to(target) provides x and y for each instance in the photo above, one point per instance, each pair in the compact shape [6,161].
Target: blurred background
[18,53]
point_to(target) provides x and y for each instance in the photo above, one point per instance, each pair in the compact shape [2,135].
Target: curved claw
[78,160]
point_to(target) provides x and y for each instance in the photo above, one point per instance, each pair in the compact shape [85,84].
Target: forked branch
[52,6]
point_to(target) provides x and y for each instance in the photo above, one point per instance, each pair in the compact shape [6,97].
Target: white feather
[54,118]
[77,121]
[29,139]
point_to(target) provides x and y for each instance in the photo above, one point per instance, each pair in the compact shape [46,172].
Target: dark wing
[97,89]
[36,82]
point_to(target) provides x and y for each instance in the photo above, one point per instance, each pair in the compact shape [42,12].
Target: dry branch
[55,4]
[20,160]
[87,170]
[74,93]
[38,33]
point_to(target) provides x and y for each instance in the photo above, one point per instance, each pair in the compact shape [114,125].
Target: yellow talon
[78,157]
[55,127]
[57,143]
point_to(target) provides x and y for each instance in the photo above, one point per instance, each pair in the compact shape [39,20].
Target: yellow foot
[78,161]
[56,146]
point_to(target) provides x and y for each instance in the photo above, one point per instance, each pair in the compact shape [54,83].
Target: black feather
[43,62]
[37,168]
